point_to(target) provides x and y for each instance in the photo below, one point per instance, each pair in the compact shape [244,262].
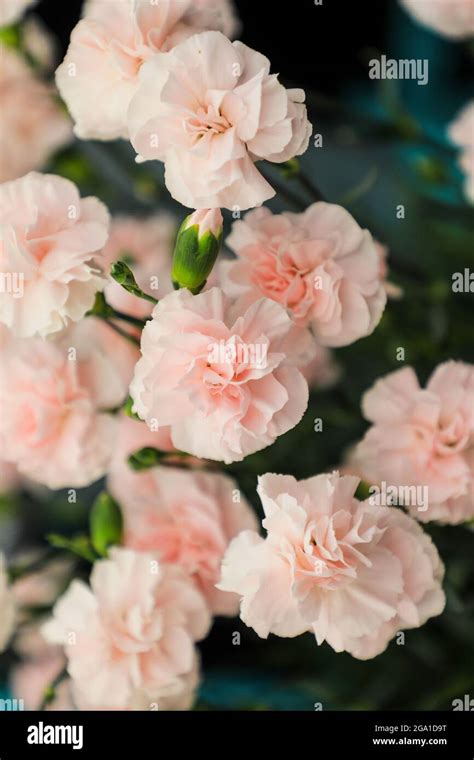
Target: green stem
[103,310]
[104,162]
[123,275]
[145,296]
[50,691]
[17,572]
[128,318]
[285,192]
[360,189]
[120,331]
[310,188]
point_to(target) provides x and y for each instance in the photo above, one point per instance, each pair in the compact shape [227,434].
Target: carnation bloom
[449,18]
[12,10]
[320,265]
[179,697]
[100,72]
[461,132]
[352,573]
[54,424]
[33,125]
[185,518]
[34,674]
[147,247]
[223,376]
[51,239]
[423,438]
[7,607]
[129,637]
[210,109]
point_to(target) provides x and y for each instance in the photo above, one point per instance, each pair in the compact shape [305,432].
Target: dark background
[299,38]
[318,46]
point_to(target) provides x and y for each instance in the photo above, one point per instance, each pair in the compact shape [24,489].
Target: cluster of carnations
[166,76]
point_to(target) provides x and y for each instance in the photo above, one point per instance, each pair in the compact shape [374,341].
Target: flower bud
[123,275]
[197,247]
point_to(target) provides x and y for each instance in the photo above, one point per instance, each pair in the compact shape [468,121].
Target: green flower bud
[123,275]
[197,247]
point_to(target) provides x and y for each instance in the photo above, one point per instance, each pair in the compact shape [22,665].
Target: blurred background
[384,143]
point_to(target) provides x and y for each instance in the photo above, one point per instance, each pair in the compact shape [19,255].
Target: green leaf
[79,545]
[432,169]
[363,490]
[10,36]
[106,524]
[128,409]
[145,458]
[290,169]
[101,308]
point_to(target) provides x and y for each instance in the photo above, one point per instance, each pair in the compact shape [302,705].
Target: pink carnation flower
[185,518]
[320,265]
[423,438]
[54,424]
[352,573]
[33,126]
[49,250]
[461,132]
[147,247]
[129,637]
[449,18]
[209,110]
[100,72]
[223,377]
